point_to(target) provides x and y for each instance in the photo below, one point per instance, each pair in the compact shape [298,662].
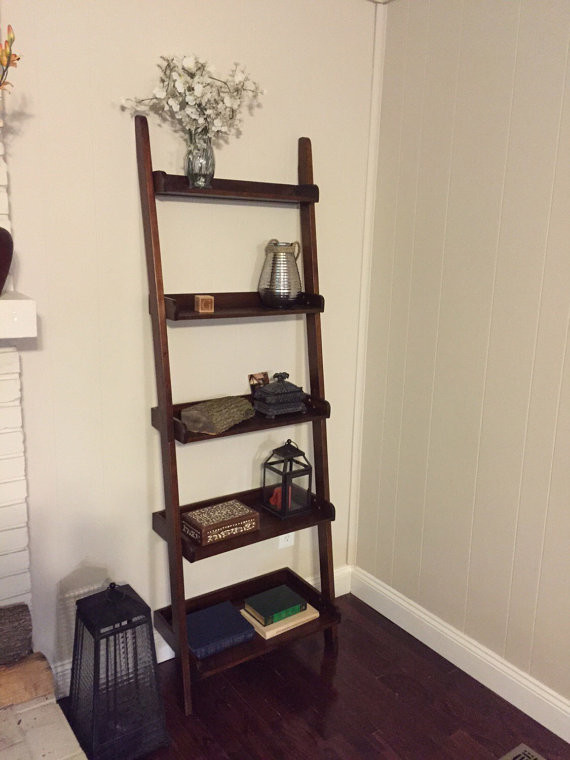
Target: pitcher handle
[297,251]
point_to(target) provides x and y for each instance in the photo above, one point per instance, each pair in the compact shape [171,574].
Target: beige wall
[466,479]
[88,385]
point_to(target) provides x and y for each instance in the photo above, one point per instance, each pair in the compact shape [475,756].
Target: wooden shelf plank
[176,185]
[316,409]
[269,525]
[258,646]
[180,306]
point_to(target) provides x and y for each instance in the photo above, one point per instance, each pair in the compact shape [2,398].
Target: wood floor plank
[229,717]
[386,697]
[461,745]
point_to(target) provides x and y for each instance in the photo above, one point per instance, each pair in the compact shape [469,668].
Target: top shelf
[176,185]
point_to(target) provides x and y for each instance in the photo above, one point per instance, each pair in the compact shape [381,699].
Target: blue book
[216,628]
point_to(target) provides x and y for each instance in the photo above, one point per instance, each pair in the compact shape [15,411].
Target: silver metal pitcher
[280,282]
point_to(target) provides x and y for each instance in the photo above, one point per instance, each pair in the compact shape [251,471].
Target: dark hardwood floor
[385,697]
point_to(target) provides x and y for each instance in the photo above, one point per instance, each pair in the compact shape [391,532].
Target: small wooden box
[204,304]
[219,521]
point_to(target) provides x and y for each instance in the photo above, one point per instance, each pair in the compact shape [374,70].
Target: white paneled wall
[14,554]
[466,478]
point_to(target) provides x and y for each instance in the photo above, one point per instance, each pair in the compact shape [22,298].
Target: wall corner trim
[376,83]
[531,696]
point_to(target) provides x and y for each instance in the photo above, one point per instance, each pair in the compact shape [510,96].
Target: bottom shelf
[329,616]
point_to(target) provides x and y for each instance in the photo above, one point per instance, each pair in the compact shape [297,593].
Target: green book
[275,604]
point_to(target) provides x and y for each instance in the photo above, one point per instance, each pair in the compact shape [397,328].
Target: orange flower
[7,59]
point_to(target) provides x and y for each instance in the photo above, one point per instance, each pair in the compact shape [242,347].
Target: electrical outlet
[287,540]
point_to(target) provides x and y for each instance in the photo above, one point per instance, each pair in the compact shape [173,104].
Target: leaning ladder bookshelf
[165,417]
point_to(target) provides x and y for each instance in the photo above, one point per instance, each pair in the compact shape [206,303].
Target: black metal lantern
[287,477]
[115,707]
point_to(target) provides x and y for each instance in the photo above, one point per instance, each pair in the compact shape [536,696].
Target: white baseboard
[342,580]
[62,677]
[163,650]
[531,696]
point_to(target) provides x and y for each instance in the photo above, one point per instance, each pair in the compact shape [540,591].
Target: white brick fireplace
[17,321]
[14,554]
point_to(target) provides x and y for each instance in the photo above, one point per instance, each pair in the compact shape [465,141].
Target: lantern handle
[113,591]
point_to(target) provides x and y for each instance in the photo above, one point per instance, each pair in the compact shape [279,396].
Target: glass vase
[200,161]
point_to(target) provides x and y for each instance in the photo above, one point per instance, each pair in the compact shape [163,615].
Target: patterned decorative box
[219,521]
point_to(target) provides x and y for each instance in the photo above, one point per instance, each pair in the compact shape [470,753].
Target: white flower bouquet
[196,102]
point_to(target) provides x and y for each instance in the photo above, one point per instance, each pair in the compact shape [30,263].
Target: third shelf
[269,525]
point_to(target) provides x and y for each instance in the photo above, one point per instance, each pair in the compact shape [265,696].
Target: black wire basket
[115,707]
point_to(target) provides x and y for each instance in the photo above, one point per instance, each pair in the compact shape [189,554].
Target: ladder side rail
[164,402]
[316,374]
[313,321]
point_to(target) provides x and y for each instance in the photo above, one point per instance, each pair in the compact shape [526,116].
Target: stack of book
[277,610]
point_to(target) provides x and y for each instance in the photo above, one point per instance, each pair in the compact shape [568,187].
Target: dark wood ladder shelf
[328,618]
[315,409]
[176,185]
[180,306]
[270,526]
[166,418]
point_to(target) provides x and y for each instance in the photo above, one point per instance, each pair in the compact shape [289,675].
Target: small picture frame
[257,379]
